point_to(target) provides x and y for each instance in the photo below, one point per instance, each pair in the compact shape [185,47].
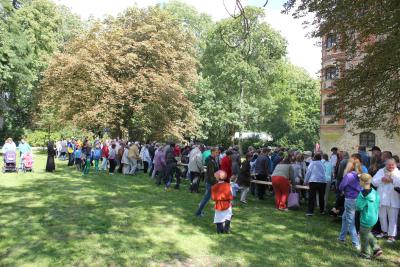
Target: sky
[302,50]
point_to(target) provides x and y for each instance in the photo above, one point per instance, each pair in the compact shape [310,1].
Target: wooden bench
[300,187]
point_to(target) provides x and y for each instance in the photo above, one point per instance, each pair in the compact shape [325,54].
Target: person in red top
[177,150]
[226,165]
[104,155]
[222,195]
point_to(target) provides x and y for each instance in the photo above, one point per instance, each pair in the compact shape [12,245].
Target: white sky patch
[301,50]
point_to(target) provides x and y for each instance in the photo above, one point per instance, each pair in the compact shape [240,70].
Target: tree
[29,36]
[240,75]
[292,116]
[367,94]
[130,74]
[198,24]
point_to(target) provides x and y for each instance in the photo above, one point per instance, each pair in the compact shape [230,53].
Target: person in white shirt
[9,145]
[386,180]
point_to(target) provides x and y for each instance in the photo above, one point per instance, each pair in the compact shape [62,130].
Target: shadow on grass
[65,218]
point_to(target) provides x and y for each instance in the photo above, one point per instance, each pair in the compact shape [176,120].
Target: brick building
[340,134]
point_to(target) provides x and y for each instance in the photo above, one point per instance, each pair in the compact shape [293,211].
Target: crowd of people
[366,186]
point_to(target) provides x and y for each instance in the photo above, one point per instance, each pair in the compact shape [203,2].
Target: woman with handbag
[280,183]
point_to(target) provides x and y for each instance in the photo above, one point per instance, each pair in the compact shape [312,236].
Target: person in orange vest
[221,193]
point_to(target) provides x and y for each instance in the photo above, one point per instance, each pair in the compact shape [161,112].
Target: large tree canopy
[367,94]
[29,36]
[130,74]
[251,87]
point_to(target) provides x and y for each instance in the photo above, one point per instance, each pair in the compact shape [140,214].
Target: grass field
[65,219]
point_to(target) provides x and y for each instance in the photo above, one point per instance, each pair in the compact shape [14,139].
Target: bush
[39,138]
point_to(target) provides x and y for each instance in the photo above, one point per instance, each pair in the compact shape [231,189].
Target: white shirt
[333,160]
[9,146]
[388,196]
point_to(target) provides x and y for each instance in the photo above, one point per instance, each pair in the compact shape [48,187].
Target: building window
[331,73]
[330,41]
[367,139]
[328,109]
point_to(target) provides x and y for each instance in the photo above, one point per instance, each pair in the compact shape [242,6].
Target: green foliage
[28,37]
[368,32]
[278,98]
[39,138]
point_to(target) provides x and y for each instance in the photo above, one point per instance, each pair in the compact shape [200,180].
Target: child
[87,152]
[368,204]
[96,155]
[78,158]
[222,195]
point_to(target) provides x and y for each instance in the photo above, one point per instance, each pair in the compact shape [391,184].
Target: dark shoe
[377,253]
[365,256]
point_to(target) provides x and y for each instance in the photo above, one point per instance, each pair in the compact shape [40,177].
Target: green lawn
[64,219]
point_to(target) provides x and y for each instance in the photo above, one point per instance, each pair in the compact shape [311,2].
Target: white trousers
[388,218]
[134,164]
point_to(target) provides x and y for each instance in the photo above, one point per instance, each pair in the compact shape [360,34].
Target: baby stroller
[27,162]
[10,162]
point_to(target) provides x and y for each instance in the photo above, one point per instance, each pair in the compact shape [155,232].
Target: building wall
[338,133]
[345,140]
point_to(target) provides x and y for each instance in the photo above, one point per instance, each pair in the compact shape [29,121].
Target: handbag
[294,200]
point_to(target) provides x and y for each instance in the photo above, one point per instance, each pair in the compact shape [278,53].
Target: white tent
[247,135]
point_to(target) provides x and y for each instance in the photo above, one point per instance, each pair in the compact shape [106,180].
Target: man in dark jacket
[262,172]
[212,167]
[152,152]
[171,164]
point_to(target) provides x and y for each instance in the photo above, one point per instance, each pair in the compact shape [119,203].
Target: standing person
[386,180]
[195,169]
[226,165]
[350,186]
[51,153]
[9,145]
[339,203]
[125,161]
[212,167]
[111,158]
[365,158]
[96,156]
[262,171]
[63,149]
[170,167]
[104,156]
[328,177]
[185,161]
[159,165]
[87,152]
[152,152]
[222,195]
[281,183]
[236,162]
[368,204]
[334,159]
[23,148]
[70,150]
[78,157]
[120,155]
[315,178]
[133,156]
[145,156]
[244,179]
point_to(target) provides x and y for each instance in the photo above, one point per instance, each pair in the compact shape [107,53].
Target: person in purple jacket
[350,186]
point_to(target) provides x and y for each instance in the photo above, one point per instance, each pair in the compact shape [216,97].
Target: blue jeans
[348,222]
[204,201]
